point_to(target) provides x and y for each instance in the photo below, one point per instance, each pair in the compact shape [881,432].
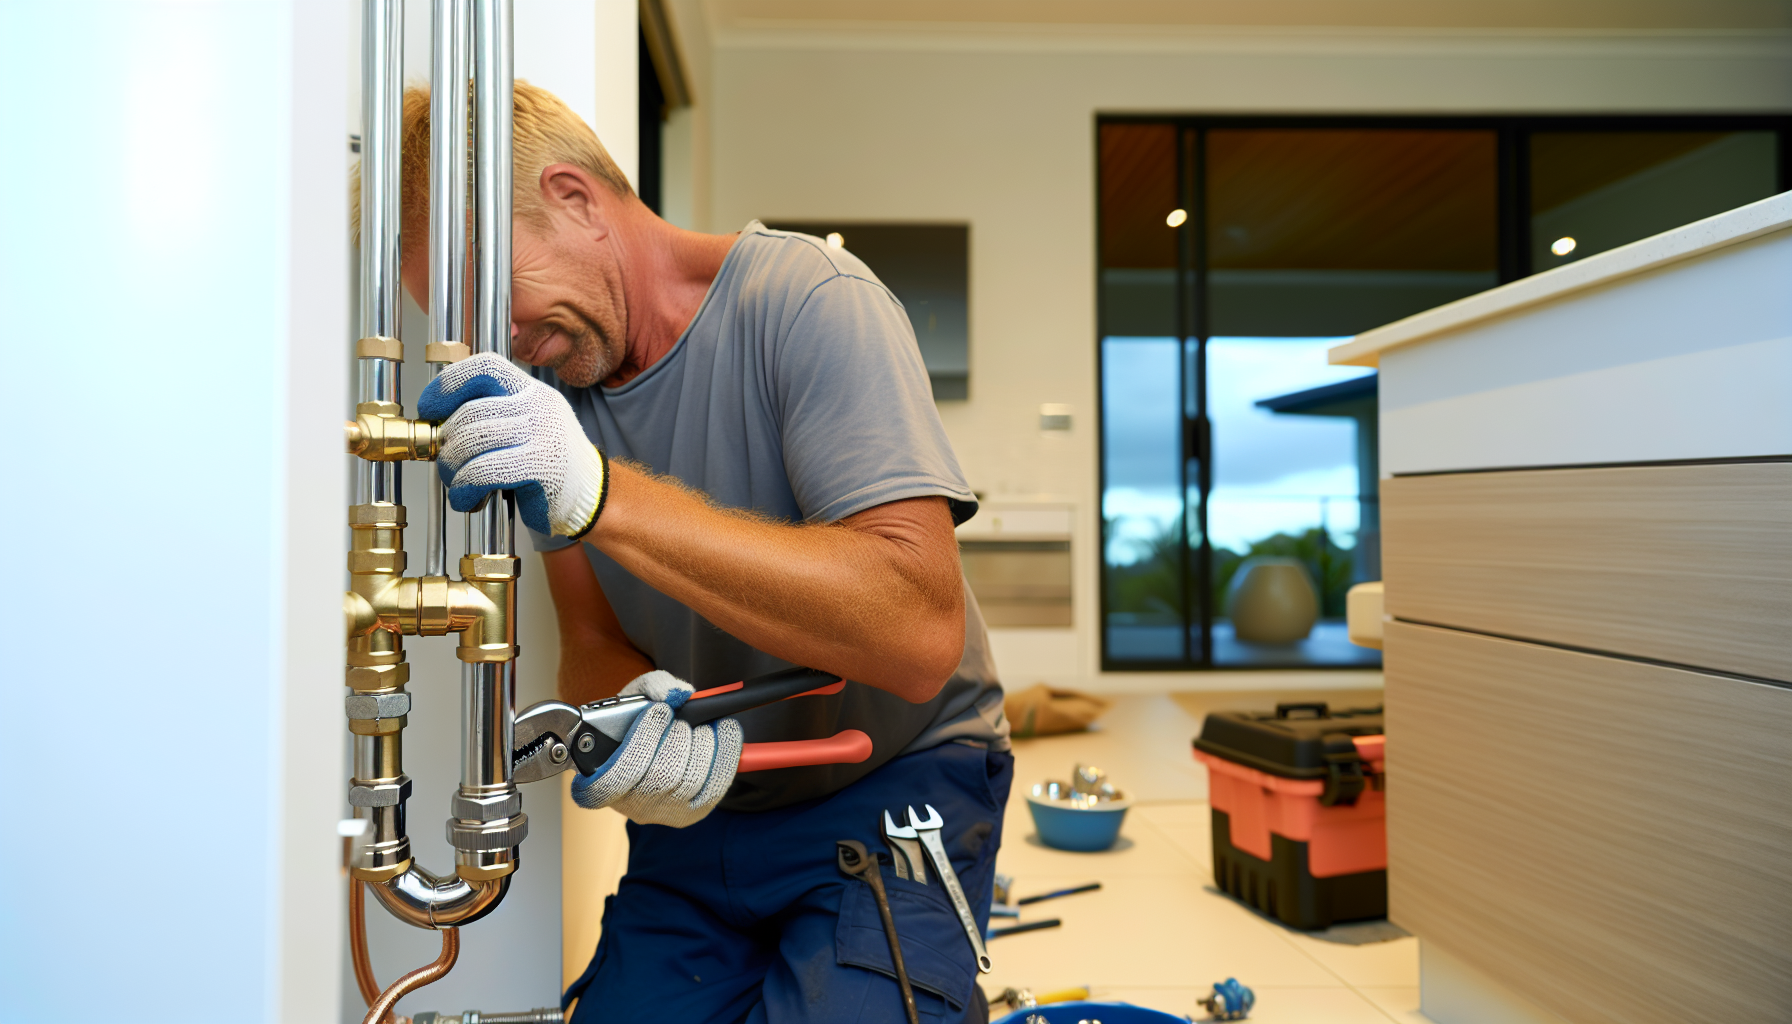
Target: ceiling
[1568,165]
[1308,199]
[1444,15]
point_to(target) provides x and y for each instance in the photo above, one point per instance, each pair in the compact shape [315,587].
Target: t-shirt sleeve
[856,409]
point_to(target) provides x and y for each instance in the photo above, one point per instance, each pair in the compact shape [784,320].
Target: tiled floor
[1158,934]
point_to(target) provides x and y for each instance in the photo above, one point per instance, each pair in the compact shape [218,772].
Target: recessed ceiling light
[1176,218]
[838,241]
[1562,246]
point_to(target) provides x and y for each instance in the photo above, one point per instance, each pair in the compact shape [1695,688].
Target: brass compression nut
[490,567]
[445,352]
[376,515]
[379,438]
[378,347]
[377,561]
[377,678]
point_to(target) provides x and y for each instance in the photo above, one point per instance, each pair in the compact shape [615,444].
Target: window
[1239,495]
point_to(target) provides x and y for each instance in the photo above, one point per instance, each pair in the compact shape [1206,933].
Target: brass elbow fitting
[380,436]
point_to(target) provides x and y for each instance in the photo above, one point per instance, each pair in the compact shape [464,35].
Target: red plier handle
[849,746]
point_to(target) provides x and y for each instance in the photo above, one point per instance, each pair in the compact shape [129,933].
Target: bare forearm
[871,599]
[596,659]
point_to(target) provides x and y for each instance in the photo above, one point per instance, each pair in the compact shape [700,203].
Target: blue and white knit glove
[505,430]
[665,772]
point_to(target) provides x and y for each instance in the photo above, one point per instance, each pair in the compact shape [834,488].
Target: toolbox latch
[1344,779]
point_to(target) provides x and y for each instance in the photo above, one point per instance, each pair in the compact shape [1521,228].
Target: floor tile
[1392,964]
[1402,1004]
[1142,742]
[1143,850]
[1186,825]
[1176,814]
[1145,931]
[1333,1005]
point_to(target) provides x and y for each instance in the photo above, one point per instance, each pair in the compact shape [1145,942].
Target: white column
[172,299]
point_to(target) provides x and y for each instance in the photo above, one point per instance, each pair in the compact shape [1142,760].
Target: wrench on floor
[906,850]
[929,832]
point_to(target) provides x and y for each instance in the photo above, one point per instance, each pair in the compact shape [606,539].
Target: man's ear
[572,192]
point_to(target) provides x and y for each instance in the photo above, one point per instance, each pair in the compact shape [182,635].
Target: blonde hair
[544,131]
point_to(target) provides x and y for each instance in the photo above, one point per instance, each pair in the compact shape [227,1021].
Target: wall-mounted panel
[1612,838]
[1684,564]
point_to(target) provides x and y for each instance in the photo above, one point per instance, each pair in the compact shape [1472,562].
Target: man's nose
[515,331]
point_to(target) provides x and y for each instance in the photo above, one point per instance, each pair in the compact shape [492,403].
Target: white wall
[997,129]
[170,265]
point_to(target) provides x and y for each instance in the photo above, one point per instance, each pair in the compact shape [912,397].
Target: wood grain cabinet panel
[1686,564]
[1611,838]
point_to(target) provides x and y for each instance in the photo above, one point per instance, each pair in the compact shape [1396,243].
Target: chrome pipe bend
[419,898]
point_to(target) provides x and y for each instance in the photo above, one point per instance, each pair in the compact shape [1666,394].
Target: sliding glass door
[1239,469]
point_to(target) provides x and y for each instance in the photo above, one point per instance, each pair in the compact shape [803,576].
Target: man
[740,431]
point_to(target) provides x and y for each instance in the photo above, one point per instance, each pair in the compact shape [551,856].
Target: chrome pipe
[486,691]
[448,173]
[492,92]
[382,92]
[487,694]
[451,75]
[419,898]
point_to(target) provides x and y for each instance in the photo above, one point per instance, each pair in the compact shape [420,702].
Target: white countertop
[1738,225]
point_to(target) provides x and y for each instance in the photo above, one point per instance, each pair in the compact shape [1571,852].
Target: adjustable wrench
[906,849]
[929,831]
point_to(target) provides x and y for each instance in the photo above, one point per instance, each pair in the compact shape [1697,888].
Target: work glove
[665,772]
[505,430]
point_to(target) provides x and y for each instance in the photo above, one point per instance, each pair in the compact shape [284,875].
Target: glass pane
[1325,232]
[1141,501]
[1284,513]
[1593,191]
[1138,245]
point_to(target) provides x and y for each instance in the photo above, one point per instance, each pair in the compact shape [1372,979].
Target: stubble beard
[587,359]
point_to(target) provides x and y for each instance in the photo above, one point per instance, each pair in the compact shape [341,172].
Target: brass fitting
[386,438]
[376,347]
[488,585]
[481,606]
[446,352]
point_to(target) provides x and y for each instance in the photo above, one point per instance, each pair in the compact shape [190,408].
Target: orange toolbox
[1299,811]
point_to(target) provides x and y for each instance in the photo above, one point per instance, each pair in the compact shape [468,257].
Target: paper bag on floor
[1043,711]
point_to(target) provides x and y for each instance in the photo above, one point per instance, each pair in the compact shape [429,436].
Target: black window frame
[1513,214]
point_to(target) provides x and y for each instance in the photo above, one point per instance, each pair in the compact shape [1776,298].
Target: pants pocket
[935,950]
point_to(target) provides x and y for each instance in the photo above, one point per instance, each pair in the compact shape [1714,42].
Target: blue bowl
[1107,1013]
[1080,829]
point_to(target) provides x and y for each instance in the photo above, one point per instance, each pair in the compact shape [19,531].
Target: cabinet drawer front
[1684,564]
[1611,838]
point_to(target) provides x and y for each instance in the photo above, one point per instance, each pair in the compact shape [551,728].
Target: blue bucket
[1064,826]
[1082,1010]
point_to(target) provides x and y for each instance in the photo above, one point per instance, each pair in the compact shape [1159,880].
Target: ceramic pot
[1272,601]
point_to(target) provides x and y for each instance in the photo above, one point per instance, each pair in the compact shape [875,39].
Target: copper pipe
[417,978]
[357,941]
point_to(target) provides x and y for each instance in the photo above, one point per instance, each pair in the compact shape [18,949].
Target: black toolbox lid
[1289,742]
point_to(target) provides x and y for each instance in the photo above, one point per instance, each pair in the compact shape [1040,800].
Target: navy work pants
[747,916]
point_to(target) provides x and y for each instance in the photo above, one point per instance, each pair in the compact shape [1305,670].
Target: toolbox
[1299,811]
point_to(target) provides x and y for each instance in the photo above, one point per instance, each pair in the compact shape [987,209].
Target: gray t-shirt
[798,392]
